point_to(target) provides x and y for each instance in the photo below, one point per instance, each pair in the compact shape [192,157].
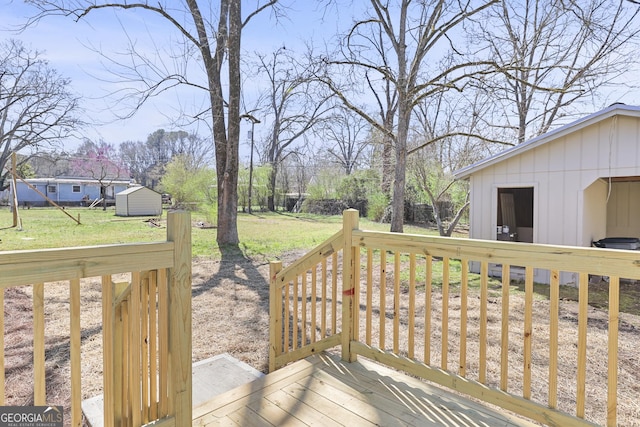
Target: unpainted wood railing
[146,323]
[412,303]
[304,299]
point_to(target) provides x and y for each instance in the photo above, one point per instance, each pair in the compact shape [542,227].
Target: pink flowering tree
[99,161]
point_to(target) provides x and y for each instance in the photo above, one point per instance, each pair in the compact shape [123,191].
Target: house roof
[73,181]
[612,110]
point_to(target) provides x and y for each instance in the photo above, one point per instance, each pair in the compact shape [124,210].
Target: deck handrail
[145,318]
[420,342]
[287,345]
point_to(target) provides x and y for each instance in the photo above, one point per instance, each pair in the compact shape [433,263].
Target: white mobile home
[64,191]
[571,186]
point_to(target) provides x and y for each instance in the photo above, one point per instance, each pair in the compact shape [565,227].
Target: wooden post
[15,176]
[180,398]
[275,315]
[350,222]
[16,218]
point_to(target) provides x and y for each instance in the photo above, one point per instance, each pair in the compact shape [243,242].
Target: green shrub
[378,202]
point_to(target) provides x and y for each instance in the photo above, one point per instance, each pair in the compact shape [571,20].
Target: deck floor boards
[324,391]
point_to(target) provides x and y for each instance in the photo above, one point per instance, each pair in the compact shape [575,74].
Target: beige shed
[574,185]
[138,201]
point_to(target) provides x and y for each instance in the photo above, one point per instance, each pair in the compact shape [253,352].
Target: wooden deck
[322,390]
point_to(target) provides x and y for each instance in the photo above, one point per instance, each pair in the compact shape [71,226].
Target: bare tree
[147,160]
[213,43]
[295,104]
[51,163]
[346,133]
[37,109]
[451,132]
[412,37]
[457,128]
[559,53]
[385,95]
[138,161]
[439,187]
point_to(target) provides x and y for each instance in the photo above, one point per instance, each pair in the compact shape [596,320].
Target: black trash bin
[629,243]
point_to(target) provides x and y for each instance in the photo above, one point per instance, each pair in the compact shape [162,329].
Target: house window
[76,189]
[51,188]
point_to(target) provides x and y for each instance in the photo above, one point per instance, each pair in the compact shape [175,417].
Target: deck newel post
[179,340]
[275,315]
[350,222]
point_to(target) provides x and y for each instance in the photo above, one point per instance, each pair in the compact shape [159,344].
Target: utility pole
[253,121]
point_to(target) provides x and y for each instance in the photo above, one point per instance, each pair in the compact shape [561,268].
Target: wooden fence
[413,303]
[146,323]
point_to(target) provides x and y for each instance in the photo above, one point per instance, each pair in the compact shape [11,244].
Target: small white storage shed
[138,201]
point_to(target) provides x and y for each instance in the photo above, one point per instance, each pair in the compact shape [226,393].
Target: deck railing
[413,303]
[146,323]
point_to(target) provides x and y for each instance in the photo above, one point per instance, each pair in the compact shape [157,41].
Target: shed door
[515,210]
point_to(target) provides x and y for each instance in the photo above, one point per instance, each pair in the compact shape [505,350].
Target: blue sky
[65,45]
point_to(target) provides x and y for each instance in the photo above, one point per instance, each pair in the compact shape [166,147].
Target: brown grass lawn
[230,315]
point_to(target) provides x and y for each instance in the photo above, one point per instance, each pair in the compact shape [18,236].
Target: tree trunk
[228,185]
[387,164]
[103,194]
[397,202]
[271,198]
[404,118]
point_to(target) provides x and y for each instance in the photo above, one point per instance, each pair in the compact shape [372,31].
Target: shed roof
[612,110]
[135,188]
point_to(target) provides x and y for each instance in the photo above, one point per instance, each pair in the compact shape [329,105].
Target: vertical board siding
[562,168]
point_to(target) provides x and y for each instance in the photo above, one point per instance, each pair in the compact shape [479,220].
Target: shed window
[76,189]
[515,210]
[51,188]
